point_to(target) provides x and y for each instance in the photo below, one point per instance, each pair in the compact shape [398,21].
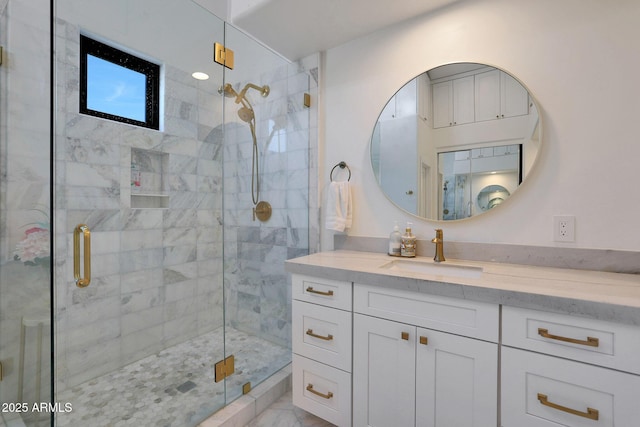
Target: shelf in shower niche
[149,201]
[148,181]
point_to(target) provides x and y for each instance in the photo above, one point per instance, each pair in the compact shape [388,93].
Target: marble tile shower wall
[156,272]
[257,287]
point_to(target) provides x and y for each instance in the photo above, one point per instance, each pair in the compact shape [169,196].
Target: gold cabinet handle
[590,341]
[405,336]
[329,337]
[424,340]
[329,395]
[313,291]
[592,414]
[82,282]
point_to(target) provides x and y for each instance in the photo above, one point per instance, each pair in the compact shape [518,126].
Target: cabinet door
[383,372]
[442,104]
[515,98]
[487,91]
[456,381]
[463,101]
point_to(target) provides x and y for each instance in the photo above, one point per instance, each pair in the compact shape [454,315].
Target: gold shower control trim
[313,291]
[82,282]
[262,211]
[329,395]
[329,337]
[223,56]
[592,414]
[590,341]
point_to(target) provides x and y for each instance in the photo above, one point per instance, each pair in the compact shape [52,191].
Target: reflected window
[117,85]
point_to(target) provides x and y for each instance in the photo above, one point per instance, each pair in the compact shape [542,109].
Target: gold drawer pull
[591,413]
[329,337]
[590,341]
[329,395]
[313,291]
[405,336]
[424,340]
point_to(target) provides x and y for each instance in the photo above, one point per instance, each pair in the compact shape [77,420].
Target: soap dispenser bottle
[408,244]
[395,241]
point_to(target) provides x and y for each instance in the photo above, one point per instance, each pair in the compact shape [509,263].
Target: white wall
[579,58]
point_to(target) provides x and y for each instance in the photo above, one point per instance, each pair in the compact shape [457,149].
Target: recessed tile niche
[148,187]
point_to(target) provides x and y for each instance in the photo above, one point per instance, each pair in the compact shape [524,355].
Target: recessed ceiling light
[200,76]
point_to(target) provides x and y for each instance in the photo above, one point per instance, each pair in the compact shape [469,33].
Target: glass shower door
[136,343]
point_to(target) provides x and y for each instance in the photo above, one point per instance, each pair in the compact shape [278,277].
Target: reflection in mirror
[451,134]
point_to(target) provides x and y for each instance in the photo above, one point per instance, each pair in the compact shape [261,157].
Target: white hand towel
[339,210]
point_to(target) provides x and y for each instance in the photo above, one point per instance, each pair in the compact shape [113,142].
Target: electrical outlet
[564,228]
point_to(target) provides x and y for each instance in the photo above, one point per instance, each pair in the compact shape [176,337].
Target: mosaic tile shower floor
[174,388]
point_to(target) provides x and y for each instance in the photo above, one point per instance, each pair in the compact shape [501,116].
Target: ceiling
[297,28]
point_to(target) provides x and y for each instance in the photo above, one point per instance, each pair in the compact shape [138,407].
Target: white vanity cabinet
[561,370]
[422,360]
[322,342]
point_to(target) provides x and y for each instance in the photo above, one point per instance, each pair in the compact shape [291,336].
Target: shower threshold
[174,387]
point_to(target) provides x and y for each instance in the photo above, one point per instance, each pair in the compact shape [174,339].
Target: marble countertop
[602,295]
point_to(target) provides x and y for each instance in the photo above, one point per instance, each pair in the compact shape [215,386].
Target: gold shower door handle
[590,341]
[82,282]
[592,414]
[329,395]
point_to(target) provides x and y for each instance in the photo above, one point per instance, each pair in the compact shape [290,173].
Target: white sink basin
[431,268]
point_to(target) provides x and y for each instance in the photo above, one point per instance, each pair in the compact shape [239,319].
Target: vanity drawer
[612,345]
[462,317]
[322,390]
[332,293]
[541,390]
[322,333]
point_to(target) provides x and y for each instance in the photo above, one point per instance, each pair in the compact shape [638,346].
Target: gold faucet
[439,241]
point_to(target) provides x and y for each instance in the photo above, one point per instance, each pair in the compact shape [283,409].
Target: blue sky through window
[114,89]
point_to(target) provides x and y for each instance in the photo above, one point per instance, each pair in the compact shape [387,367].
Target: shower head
[246,114]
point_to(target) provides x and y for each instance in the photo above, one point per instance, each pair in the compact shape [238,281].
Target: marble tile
[173,387]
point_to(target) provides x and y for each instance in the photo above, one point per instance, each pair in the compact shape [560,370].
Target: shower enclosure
[187,305]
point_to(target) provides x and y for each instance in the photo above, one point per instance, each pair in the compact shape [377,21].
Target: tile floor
[174,388]
[282,413]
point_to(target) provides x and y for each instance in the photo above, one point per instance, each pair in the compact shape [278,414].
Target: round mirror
[491,196]
[451,137]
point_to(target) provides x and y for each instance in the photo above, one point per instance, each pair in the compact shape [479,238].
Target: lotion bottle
[395,241]
[408,244]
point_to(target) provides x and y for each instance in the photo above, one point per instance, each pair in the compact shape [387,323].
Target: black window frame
[89,46]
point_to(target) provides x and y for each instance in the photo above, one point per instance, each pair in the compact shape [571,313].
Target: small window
[118,86]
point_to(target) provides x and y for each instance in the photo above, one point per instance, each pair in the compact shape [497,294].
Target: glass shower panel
[273,167]
[25,312]
[138,345]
